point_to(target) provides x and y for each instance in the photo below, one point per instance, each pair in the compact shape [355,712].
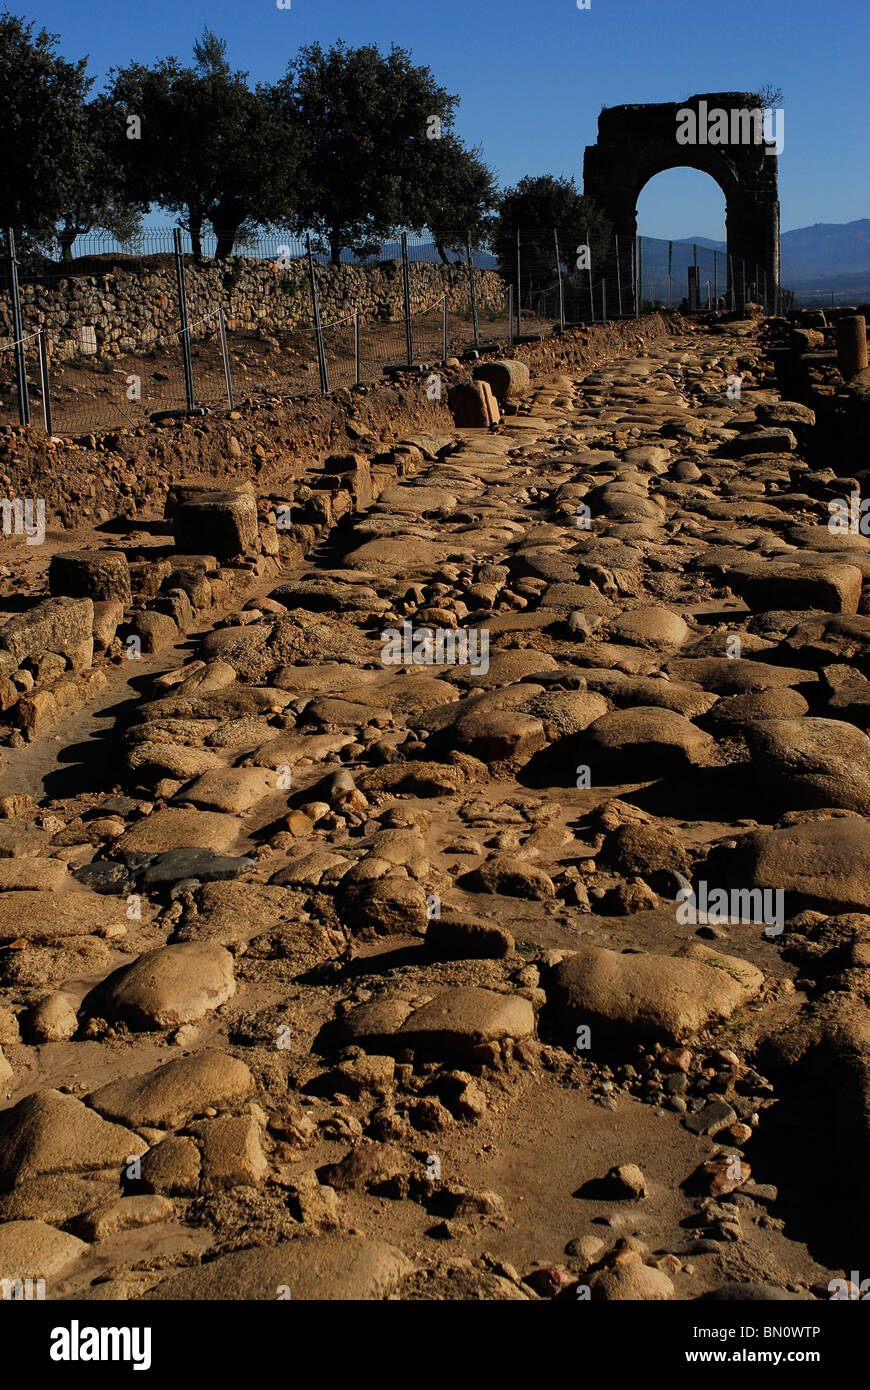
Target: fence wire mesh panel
[495,323]
[427,329]
[9,392]
[209,379]
[383,346]
[114,342]
[90,392]
[339,346]
[553,276]
[268,363]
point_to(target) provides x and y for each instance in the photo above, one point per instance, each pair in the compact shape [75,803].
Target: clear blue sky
[533,75]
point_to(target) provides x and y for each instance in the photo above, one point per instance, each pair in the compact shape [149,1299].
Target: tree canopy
[380,151]
[206,146]
[352,145]
[461,199]
[536,206]
[45,129]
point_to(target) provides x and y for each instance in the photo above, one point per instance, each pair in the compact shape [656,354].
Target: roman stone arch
[637,142]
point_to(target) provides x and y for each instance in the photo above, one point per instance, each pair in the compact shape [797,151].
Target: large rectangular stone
[174,828]
[61,625]
[220,523]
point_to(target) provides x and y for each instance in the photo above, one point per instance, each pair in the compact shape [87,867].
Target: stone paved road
[532,956]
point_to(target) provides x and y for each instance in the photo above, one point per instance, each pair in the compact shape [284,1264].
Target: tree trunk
[335,246]
[194,223]
[66,236]
[441,252]
[226,240]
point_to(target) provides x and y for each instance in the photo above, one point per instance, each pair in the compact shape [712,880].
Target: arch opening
[681,223]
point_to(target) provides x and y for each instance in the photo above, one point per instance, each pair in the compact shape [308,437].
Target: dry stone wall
[127,308]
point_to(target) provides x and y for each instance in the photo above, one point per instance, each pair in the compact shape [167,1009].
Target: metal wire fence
[114,335]
[607,278]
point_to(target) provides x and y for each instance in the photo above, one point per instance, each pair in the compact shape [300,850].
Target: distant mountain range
[427,251]
[829,256]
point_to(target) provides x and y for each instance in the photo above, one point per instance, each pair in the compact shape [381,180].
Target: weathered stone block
[473,405]
[507,379]
[54,625]
[223,523]
[98,575]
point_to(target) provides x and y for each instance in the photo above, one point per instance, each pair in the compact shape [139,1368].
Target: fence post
[618,275]
[638,277]
[559,278]
[670,270]
[474,318]
[603,301]
[445,326]
[589,274]
[731,283]
[356,347]
[20,364]
[694,289]
[182,309]
[716,277]
[519,290]
[510,289]
[406,292]
[44,380]
[764,273]
[318,327]
[225,353]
